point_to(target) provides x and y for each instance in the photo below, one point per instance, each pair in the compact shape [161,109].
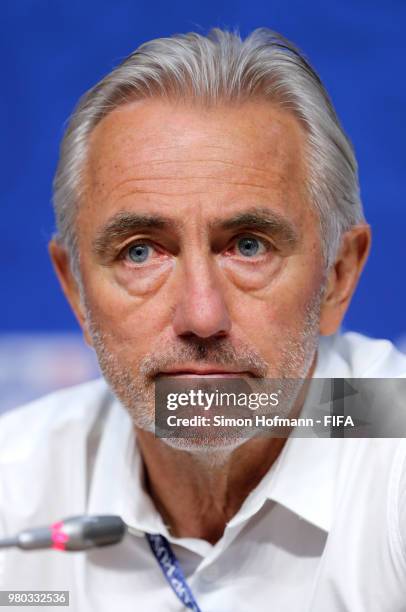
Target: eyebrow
[125,224]
[261,218]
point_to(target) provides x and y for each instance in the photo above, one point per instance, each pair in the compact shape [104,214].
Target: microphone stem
[8,542]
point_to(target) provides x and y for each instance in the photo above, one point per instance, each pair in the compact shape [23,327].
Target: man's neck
[198,493]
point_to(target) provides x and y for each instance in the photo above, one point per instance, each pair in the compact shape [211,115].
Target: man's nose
[200,307]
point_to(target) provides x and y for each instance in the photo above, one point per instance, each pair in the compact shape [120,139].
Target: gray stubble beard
[135,390]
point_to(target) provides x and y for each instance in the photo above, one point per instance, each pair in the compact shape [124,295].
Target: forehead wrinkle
[179,162]
[225,162]
[144,191]
[116,161]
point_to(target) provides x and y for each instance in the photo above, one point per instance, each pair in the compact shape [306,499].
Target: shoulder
[27,429]
[365,357]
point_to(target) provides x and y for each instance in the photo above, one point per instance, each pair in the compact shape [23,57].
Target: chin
[206,445]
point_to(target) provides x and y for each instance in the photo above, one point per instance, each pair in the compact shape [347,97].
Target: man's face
[200,251]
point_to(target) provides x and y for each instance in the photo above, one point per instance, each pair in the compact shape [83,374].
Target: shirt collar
[117,482]
[304,475]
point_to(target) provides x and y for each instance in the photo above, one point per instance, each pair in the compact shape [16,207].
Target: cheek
[126,320]
[270,318]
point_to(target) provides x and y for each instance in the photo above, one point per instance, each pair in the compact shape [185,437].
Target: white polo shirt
[324,531]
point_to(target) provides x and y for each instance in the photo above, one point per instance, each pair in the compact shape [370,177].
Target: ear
[70,287]
[343,277]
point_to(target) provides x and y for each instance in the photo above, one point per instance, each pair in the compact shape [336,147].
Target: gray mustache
[214,351]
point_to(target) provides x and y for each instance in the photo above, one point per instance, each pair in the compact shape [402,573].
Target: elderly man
[209,225]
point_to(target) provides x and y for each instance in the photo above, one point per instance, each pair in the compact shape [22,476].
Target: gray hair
[217,68]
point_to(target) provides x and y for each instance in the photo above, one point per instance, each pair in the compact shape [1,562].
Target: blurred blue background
[54,50]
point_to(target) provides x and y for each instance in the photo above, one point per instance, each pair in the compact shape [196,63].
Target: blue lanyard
[172,570]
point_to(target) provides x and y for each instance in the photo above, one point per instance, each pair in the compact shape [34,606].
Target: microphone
[73,534]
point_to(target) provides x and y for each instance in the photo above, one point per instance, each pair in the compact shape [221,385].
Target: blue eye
[248,246]
[138,253]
